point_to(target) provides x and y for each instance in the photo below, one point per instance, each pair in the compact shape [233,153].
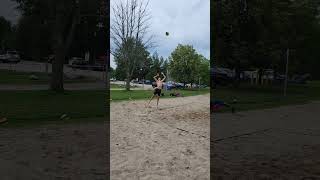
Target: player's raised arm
[164,77]
[155,77]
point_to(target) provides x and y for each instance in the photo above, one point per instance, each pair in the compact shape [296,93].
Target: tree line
[184,65]
[60,28]
[256,34]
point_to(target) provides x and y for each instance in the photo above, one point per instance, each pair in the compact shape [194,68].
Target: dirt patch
[279,143]
[61,152]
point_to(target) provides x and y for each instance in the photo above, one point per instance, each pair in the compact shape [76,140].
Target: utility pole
[286,76]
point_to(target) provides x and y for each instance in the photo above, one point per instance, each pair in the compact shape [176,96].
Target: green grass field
[121,95]
[257,97]
[28,107]
[23,78]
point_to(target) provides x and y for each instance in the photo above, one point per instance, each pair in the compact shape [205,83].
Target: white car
[77,61]
[10,57]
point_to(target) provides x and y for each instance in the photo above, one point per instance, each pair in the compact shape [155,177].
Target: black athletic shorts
[157,92]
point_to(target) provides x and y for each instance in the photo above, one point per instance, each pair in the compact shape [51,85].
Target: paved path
[279,143]
[32,66]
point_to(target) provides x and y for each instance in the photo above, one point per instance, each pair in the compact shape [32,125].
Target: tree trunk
[62,42]
[108,88]
[128,85]
[57,70]
[128,82]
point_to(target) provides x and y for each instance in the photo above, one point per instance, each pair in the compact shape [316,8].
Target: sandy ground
[54,152]
[169,143]
[280,143]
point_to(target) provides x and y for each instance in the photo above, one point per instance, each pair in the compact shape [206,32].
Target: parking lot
[33,66]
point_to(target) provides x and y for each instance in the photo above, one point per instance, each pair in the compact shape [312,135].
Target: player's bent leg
[158,97]
[150,100]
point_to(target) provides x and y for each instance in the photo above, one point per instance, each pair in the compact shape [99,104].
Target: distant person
[158,87]
[175,94]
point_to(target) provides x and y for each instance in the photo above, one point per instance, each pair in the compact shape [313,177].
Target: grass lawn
[29,107]
[23,78]
[116,86]
[251,97]
[146,94]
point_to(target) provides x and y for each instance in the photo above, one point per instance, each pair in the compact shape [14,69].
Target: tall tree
[156,66]
[255,34]
[184,64]
[129,34]
[143,61]
[33,39]
[7,32]
[62,18]
[204,71]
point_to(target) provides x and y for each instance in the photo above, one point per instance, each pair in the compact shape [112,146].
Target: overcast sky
[187,21]
[7,10]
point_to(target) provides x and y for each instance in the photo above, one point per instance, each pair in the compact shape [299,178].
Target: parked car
[179,85]
[78,61]
[10,57]
[300,79]
[169,85]
[173,85]
[147,82]
[279,78]
[219,76]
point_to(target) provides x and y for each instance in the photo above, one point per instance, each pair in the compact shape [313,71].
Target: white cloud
[188,22]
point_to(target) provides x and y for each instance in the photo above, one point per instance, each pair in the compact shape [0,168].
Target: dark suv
[10,57]
[219,77]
